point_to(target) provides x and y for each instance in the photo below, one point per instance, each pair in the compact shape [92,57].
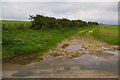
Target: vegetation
[10,25]
[44,22]
[108,33]
[93,23]
[43,33]
[37,36]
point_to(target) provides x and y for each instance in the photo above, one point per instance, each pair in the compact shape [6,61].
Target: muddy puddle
[103,64]
[111,52]
[74,47]
[87,65]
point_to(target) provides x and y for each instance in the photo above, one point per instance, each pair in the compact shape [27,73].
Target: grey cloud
[105,12]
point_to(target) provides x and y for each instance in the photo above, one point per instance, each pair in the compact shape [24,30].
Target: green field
[108,33]
[24,40]
[13,21]
[9,24]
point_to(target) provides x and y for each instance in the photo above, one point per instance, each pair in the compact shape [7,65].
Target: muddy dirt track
[76,57]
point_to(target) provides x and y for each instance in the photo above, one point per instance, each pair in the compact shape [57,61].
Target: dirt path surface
[76,57]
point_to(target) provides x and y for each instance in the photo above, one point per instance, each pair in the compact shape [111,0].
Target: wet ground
[85,66]
[74,58]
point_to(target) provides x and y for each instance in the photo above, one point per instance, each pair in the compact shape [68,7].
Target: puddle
[48,60]
[23,73]
[110,55]
[83,59]
[93,62]
[74,47]
[86,62]
[111,52]
[89,58]
[23,59]
[102,66]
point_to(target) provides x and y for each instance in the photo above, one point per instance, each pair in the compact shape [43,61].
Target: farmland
[108,33]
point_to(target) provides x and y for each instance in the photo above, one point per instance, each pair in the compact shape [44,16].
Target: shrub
[44,22]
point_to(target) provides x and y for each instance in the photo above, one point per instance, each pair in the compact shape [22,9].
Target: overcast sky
[102,12]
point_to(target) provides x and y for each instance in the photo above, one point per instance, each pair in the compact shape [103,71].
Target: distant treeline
[45,22]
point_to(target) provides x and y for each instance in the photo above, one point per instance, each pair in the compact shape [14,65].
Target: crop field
[108,33]
[9,24]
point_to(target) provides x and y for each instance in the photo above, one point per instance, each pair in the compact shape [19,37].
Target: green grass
[7,24]
[24,41]
[109,30]
[13,22]
[108,33]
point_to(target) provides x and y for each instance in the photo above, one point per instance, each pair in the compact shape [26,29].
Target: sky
[105,12]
